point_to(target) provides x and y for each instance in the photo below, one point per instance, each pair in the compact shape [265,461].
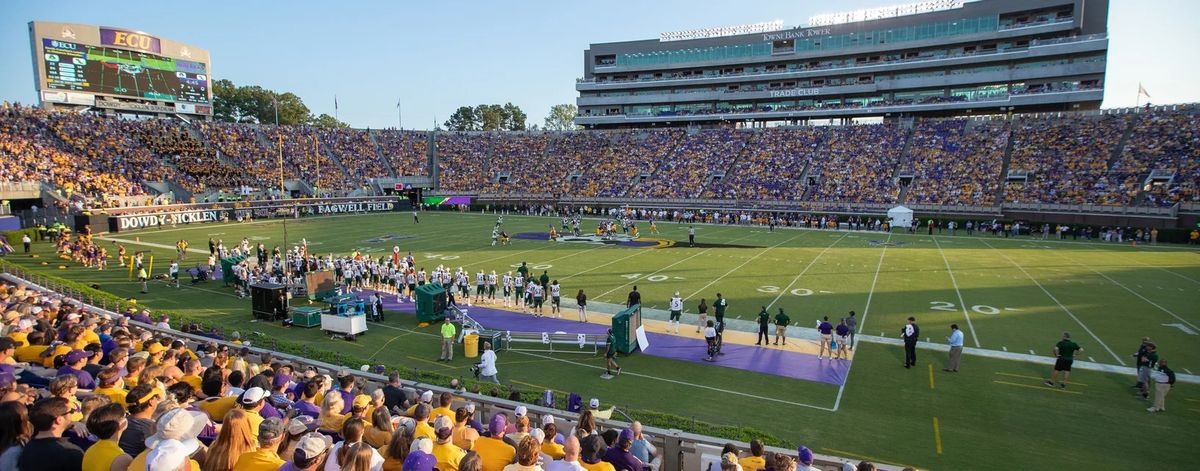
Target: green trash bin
[624,326]
[306,316]
[431,302]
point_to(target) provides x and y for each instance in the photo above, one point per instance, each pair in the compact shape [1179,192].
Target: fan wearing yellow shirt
[423,429]
[265,458]
[191,374]
[106,423]
[443,408]
[448,455]
[216,404]
[464,436]
[252,402]
[550,448]
[493,452]
[31,353]
[331,418]
[108,383]
[756,460]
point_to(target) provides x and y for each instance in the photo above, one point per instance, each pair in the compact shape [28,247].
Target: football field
[1012,297]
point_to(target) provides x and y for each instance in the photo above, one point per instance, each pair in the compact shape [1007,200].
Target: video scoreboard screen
[71,66]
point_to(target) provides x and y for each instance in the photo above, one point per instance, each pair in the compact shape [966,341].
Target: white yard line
[1180,275]
[1143,298]
[677,262]
[739,267]
[810,264]
[1060,304]
[866,309]
[961,303]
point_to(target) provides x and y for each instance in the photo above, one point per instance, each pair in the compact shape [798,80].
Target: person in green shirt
[764,321]
[610,354]
[523,270]
[448,333]
[1064,351]
[545,280]
[781,323]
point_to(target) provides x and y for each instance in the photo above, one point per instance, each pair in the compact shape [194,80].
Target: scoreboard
[121,69]
[78,67]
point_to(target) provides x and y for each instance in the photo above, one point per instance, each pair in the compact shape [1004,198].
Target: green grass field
[1014,295]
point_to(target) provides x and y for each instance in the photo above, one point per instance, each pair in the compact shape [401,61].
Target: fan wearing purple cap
[619,455]
[73,363]
[493,452]
[804,458]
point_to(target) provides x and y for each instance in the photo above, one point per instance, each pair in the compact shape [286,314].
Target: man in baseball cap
[270,433]
[447,454]
[494,452]
[804,459]
[310,453]
[420,461]
[252,401]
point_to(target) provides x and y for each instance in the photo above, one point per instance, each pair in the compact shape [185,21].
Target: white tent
[900,216]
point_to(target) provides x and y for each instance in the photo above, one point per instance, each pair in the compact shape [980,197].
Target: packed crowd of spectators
[773,166]
[406,150]
[463,160]
[857,164]
[31,151]
[1166,141]
[954,165]
[685,172]
[630,154]
[1066,157]
[357,153]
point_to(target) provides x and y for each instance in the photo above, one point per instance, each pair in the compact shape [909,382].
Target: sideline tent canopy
[900,216]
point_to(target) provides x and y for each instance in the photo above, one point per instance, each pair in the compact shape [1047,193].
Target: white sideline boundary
[810,264]
[1060,304]
[961,303]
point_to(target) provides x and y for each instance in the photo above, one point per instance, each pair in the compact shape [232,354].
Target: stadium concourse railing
[245,204]
[679,450]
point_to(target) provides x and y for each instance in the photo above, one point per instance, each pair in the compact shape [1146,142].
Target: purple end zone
[743,357]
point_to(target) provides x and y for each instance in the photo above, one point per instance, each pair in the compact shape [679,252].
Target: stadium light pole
[287,276]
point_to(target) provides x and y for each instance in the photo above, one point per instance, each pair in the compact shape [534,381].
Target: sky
[433,57]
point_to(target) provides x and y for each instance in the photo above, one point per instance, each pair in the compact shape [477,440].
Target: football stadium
[910,222]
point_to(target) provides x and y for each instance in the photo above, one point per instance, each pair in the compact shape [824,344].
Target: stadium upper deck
[981,57]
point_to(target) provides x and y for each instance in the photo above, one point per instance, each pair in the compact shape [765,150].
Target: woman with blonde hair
[358,457]
[235,439]
[396,451]
[346,451]
[380,432]
[331,418]
[527,455]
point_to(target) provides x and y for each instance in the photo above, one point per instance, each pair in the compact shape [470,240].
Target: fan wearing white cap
[310,453]
[170,447]
[252,402]
[425,398]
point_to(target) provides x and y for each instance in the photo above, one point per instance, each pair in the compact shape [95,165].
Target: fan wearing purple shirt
[826,330]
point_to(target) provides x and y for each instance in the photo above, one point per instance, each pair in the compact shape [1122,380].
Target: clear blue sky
[436,56]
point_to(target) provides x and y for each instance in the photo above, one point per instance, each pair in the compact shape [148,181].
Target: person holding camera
[486,368]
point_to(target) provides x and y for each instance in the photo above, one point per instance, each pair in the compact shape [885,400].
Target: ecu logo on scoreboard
[130,40]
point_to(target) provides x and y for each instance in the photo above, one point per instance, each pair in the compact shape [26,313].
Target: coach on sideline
[956,345]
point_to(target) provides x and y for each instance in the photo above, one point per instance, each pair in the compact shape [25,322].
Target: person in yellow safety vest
[144,278]
[448,333]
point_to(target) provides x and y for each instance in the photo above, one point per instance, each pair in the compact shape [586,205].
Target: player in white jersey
[508,289]
[555,299]
[519,291]
[491,287]
[495,235]
[676,312]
